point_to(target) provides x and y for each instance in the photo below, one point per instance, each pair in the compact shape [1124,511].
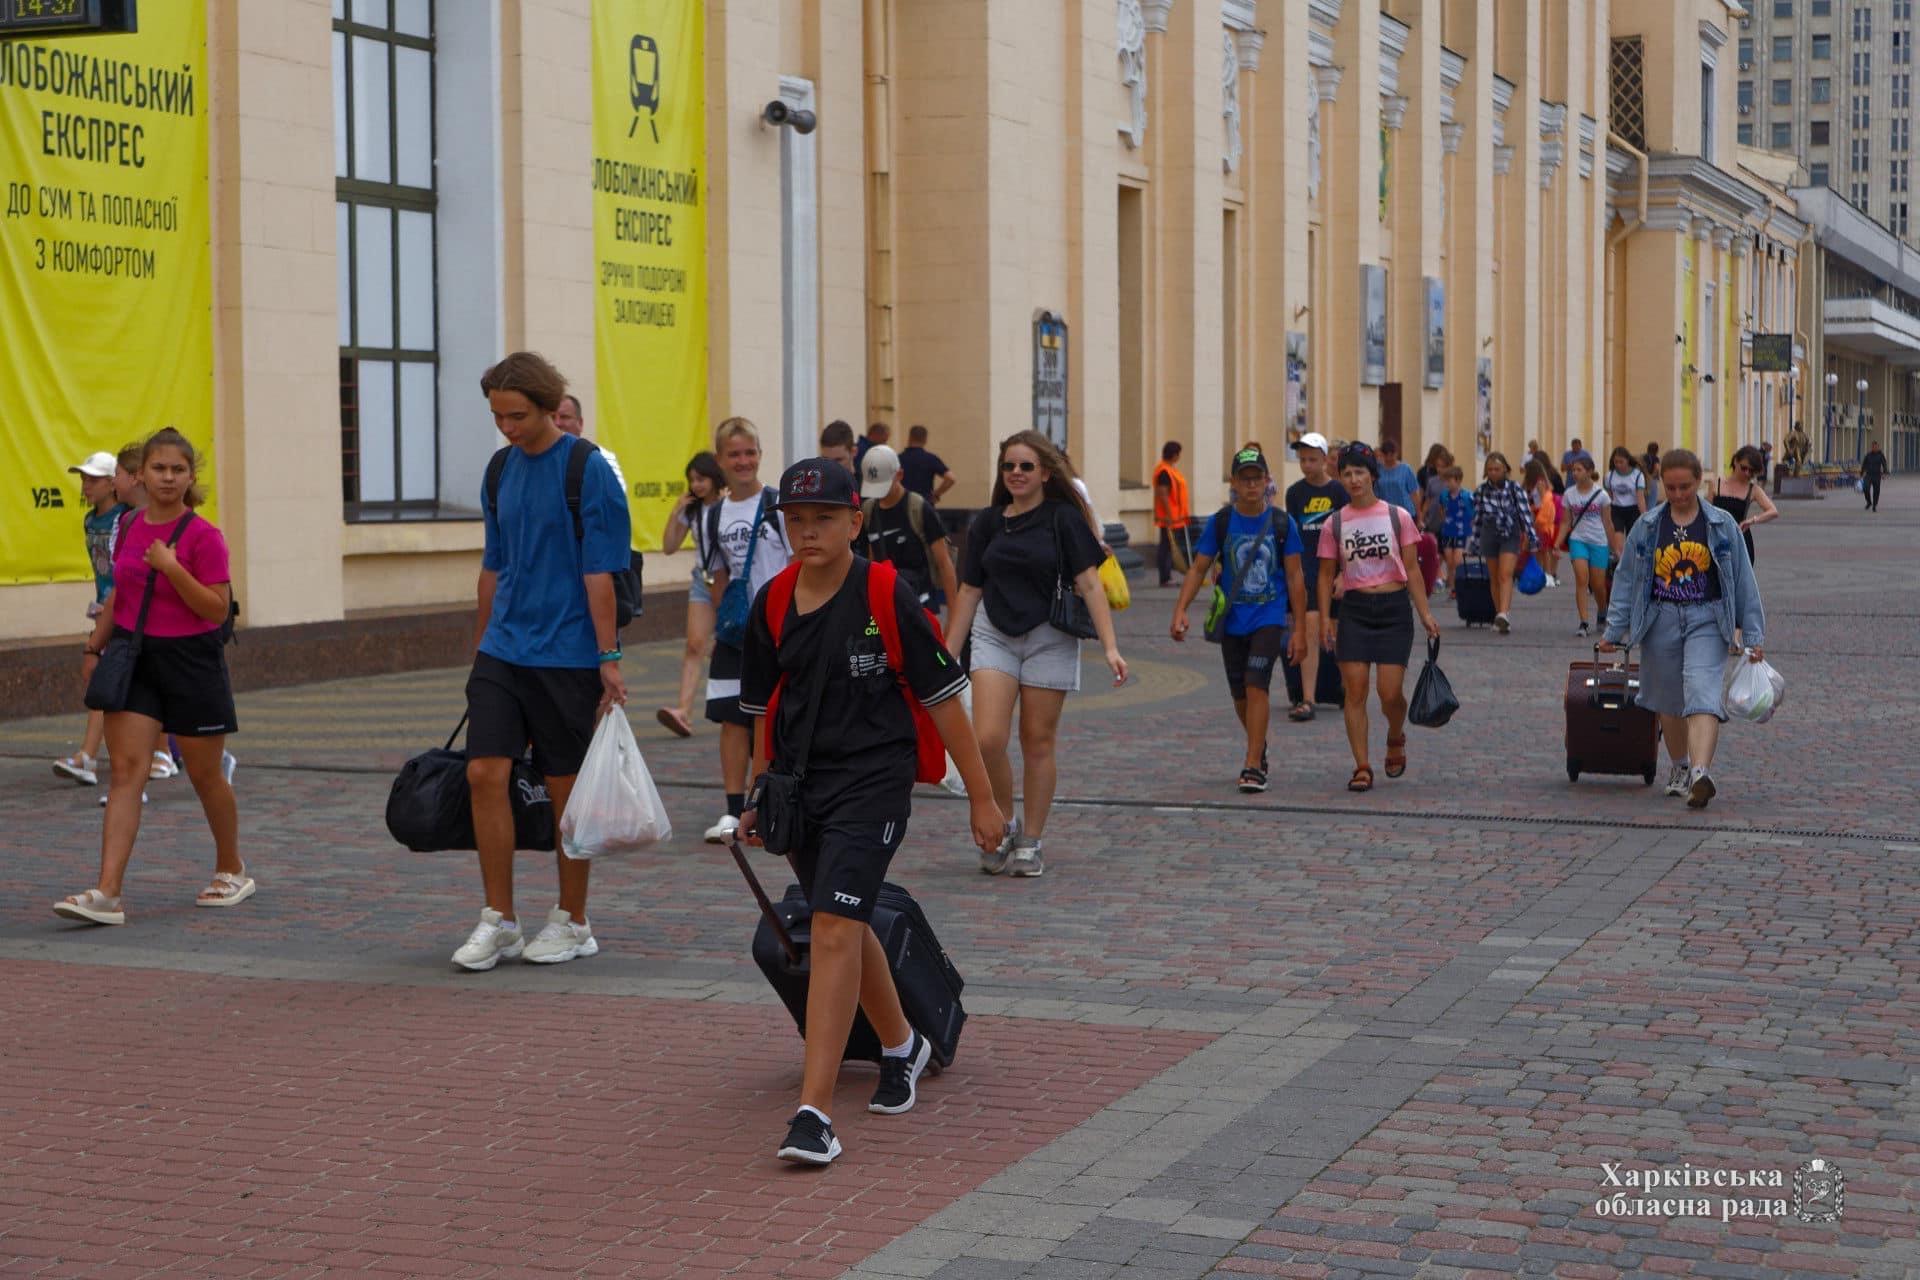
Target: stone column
[1350,179]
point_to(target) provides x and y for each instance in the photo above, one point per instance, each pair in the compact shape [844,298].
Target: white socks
[900,1050]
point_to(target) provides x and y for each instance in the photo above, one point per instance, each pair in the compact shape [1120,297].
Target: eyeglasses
[1007,467]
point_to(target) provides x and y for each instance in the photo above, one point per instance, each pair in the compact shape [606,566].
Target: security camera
[777,113]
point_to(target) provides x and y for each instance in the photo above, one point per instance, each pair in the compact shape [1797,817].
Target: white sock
[824,1118]
[900,1050]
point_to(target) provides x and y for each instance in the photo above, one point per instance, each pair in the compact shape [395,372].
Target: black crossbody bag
[1069,613]
[781,815]
[112,678]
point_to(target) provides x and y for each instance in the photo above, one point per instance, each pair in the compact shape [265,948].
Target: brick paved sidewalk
[1408,1033]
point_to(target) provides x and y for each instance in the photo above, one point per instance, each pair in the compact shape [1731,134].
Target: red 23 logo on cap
[807,483]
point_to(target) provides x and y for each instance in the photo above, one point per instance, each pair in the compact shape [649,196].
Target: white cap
[1312,440]
[99,466]
[877,471]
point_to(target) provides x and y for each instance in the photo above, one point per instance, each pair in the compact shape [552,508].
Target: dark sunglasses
[1019,466]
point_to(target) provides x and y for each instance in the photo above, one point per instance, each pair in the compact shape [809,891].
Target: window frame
[1780,94]
[1780,136]
[1819,133]
[1820,89]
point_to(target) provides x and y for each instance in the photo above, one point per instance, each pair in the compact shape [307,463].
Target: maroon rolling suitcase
[1607,732]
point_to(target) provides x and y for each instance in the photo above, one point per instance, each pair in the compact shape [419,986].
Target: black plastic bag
[1433,701]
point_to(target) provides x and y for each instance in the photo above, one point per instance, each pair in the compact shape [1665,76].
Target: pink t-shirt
[203,553]
[1367,555]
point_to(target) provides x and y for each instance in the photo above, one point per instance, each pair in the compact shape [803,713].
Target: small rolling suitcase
[1607,732]
[928,983]
[1473,593]
[1429,552]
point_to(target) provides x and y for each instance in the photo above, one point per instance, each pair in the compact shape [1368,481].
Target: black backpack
[627,602]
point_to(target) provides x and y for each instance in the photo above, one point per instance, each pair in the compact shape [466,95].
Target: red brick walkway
[473,1132]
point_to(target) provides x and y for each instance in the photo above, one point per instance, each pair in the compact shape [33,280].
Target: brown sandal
[1396,756]
[1362,779]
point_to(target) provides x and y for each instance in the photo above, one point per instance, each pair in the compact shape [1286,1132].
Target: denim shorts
[1494,544]
[1597,554]
[700,592]
[1044,658]
[1682,659]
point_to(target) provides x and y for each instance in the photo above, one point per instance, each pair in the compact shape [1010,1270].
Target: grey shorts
[1682,660]
[1044,658]
[1493,544]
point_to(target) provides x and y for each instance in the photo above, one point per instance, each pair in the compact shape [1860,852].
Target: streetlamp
[1833,381]
[1793,381]
[1860,427]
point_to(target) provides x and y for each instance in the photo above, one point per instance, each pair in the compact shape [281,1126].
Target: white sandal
[226,890]
[93,906]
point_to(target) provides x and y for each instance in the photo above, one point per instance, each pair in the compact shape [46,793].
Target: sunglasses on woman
[1019,466]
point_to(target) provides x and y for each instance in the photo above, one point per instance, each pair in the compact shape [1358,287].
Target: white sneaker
[723,831]
[163,767]
[227,765]
[994,862]
[80,767]
[489,941]
[1679,778]
[953,782]
[1501,623]
[562,940]
[1700,789]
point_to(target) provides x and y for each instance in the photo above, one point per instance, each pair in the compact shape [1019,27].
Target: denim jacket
[1630,612]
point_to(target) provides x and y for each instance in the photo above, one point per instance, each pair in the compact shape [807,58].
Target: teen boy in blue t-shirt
[548,660]
[1258,547]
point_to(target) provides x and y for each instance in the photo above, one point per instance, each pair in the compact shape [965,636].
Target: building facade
[1463,222]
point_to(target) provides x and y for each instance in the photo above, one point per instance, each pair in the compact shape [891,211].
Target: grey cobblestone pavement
[1434,1030]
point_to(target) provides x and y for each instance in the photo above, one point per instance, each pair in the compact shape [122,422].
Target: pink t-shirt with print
[202,551]
[1367,555]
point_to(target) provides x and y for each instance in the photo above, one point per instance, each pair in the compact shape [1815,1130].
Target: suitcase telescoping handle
[766,904]
[1626,657]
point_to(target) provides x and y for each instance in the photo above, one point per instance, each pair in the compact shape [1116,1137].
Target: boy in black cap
[1263,594]
[829,670]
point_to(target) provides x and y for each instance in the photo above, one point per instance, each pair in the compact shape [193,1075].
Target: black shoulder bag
[113,675]
[430,805]
[781,819]
[1069,613]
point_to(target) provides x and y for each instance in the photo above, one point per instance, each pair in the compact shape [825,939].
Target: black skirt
[1375,627]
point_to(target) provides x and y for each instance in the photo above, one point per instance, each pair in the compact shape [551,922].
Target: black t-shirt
[919,468]
[863,754]
[1016,562]
[1874,465]
[889,536]
[1312,505]
[1683,568]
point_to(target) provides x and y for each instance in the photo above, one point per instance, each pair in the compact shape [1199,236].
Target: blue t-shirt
[1253,571]
[1396,485]
[1459,507]
[540,616]
[101,526]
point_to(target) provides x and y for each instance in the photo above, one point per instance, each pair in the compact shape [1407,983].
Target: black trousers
[1870,489]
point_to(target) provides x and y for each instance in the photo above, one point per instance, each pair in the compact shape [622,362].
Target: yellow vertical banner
[650,247]
[106,287]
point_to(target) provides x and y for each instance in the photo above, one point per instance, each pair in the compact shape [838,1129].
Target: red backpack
[930,751]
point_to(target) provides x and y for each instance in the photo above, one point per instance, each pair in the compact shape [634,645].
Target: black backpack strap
[713,534]
[576,480]
[496,466]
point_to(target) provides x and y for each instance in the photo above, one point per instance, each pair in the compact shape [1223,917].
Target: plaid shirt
[1507,507]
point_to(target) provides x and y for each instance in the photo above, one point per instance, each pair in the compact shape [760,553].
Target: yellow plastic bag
[1115,581]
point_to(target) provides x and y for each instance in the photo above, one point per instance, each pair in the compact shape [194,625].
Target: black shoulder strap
[576,480]
[917,516]
[713,531]
[1217,529]
[496,466]
[153,575]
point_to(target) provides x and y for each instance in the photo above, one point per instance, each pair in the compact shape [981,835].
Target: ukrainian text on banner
[650,247]
[106,294]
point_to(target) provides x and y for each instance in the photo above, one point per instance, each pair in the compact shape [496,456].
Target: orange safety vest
[1172,511]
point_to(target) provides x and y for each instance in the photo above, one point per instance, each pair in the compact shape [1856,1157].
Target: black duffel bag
[430,808]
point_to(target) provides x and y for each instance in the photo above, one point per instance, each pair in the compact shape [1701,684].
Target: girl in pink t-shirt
[1374,548]
[176,563]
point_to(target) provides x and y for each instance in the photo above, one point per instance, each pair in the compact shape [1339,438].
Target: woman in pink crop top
[172,595]
[1374,547]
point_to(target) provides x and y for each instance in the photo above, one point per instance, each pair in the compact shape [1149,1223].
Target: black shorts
[552,708]
[723,687]
[182,682]
[1623,518]
[1250,659]
[844,862]
[1375,627]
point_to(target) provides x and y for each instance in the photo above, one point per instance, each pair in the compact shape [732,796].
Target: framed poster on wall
[1436,299]
[1373,324]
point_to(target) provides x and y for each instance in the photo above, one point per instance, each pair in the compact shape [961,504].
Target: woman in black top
[1750,505]
[1033,540]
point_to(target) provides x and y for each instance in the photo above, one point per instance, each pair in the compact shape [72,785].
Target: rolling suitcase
[1606,731]
[928,983]
[1473,593]
[1429,553]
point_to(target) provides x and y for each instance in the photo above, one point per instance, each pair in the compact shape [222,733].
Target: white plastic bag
[953,781]
[614,807]
[1753,690]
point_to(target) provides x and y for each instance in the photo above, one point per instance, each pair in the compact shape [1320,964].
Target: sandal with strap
[675,723]
[93,906]
[1362,779]
[226,890]
[1396,756]
[1302,712]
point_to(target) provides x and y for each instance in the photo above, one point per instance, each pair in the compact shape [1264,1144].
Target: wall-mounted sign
[1296,385]
[1050,377]
[41,18]
[1436,333]
[1772,352]
[1373,324]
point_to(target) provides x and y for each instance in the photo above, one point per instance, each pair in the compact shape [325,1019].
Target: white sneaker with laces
[561,940]
[1679,778]
[1700,789]
[162,768]
[489,942]
[723,831]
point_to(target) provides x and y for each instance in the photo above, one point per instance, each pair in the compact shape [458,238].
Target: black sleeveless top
[1737,508]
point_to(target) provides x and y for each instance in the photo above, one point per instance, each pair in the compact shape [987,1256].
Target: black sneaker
[810,1140]
[896,1092]
[1252,781]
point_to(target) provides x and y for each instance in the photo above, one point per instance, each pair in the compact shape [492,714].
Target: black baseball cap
[1250,457]
[816,482]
